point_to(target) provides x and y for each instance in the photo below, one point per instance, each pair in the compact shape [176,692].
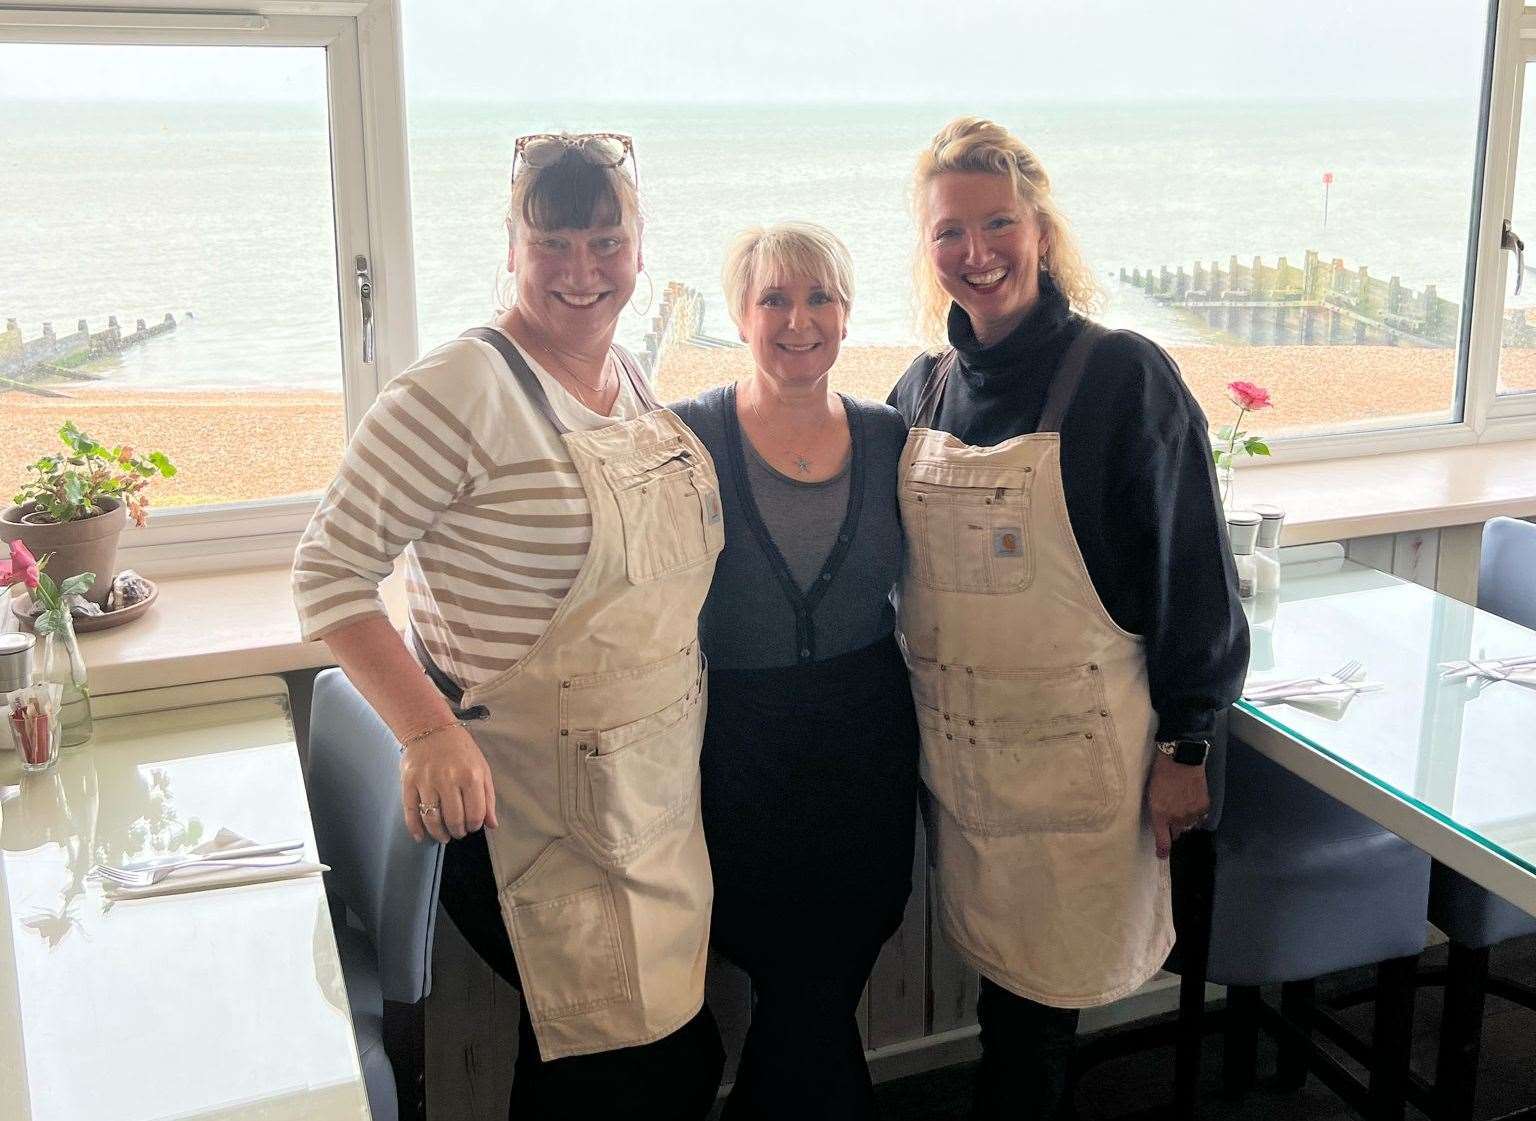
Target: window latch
[364,277]
[1512,242]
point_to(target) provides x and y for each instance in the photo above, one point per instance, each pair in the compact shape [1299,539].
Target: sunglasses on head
[600,149]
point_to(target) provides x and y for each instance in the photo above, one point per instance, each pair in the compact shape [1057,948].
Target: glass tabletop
[215,1003]
[1462,751]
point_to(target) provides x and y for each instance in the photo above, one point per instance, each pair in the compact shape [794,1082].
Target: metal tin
[1243,531]
[1269,528]
[16,661]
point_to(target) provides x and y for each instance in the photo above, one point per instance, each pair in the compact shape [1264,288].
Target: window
[1268,202]
[185,221]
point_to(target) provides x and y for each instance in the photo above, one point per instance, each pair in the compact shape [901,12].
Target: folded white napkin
[237,870]
[1521,669]
[1326,693]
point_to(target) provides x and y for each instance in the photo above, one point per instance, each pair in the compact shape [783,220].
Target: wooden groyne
[27,363]
[679,319]
[1319,303]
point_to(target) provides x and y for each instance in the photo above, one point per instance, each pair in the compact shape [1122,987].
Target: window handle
[1511,241]
[365,297]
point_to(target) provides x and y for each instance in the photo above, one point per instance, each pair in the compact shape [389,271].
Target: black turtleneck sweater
[1140,488]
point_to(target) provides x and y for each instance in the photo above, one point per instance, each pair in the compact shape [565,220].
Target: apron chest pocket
[967,526]
[1011,752]
[670,509]
[627,784]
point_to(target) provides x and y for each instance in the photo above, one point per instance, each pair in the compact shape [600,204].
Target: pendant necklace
[802,462]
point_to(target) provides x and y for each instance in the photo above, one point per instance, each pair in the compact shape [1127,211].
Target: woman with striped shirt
[558,531]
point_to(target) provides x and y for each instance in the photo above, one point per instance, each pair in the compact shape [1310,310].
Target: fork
[148,877]
[1341,676]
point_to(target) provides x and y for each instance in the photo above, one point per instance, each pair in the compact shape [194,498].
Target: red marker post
[1327,183]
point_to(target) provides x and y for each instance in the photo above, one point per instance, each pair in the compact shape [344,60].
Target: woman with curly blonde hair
[1068,611]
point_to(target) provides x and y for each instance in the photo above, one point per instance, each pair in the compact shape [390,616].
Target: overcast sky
[885,50]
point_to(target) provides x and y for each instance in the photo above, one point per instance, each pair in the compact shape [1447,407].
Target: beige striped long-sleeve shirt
[454,469]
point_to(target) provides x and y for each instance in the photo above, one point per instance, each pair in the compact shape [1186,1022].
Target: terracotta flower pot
[87,545]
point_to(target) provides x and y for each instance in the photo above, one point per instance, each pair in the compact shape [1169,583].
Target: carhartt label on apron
[1037,726]
[593,740]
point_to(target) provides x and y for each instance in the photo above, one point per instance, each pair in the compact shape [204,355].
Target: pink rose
[1246,395]
[20,565]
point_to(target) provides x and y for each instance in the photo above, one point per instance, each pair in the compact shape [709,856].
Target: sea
[221,215]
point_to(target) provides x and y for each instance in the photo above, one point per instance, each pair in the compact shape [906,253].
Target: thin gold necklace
[802,463]
[603,379]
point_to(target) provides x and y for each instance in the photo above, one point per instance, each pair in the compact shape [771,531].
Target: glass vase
[1226,477]
[63,666]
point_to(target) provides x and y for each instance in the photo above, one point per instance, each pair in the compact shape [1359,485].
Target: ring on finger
[427,810]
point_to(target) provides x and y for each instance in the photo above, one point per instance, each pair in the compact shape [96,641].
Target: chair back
[1506,571]
[382,876]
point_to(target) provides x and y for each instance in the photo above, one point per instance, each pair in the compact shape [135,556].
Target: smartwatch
[1191,753]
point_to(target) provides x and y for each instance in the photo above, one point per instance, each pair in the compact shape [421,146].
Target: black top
[1140,489]
[757,616]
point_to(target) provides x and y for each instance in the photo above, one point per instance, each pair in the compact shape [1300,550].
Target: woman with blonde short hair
[1068,611]
[809,764]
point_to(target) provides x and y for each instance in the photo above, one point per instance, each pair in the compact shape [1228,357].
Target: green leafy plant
[69,487]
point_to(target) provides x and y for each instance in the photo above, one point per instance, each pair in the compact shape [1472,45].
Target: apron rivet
[565,684]
[968,669]
[1027,470]
[946,716]
[973,741]
[1103,712]
[943,669]
[1093,667]
[972,723]
[1087,735]
[948,736]
[986,502]
[565,731]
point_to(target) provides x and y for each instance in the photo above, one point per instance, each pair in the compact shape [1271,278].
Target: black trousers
[673,1079]
[809,788]
[1026,1049]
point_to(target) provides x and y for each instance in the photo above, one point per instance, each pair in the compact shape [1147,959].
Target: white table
[1448,766]
[224,1003]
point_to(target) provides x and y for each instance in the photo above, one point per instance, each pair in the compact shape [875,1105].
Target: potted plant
[74,506]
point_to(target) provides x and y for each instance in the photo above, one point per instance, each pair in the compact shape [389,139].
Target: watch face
[1192,752]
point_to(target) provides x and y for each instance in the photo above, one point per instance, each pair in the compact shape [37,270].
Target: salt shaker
[31,709]
[1243,532]
[1266,555]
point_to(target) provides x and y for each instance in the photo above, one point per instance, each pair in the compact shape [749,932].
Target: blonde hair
[764,254]
[977,144]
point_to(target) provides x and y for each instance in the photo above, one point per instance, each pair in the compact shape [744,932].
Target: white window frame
[1480,415]
[369,162]
[371,192]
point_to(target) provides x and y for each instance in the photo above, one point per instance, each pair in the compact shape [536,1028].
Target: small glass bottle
[1243,532]
[1266,554]
[63,666]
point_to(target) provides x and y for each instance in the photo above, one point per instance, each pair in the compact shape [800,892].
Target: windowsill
[242,623]
[1397,492]
[208,628]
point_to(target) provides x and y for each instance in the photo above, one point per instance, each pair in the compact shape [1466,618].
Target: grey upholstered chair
[384,881]
[1472,918]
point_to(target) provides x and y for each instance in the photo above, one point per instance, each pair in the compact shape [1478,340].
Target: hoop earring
[650,296]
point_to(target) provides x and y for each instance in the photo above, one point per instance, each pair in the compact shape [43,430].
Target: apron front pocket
[566,937]
[670,509]
[626,782]
[1018,751]
[967,526]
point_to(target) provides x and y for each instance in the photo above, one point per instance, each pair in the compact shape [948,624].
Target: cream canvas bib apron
[593,740]
[1037,728]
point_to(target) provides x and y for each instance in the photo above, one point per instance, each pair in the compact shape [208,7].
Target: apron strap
[637,382]
[521,371]
[933,389]
[1068,376]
